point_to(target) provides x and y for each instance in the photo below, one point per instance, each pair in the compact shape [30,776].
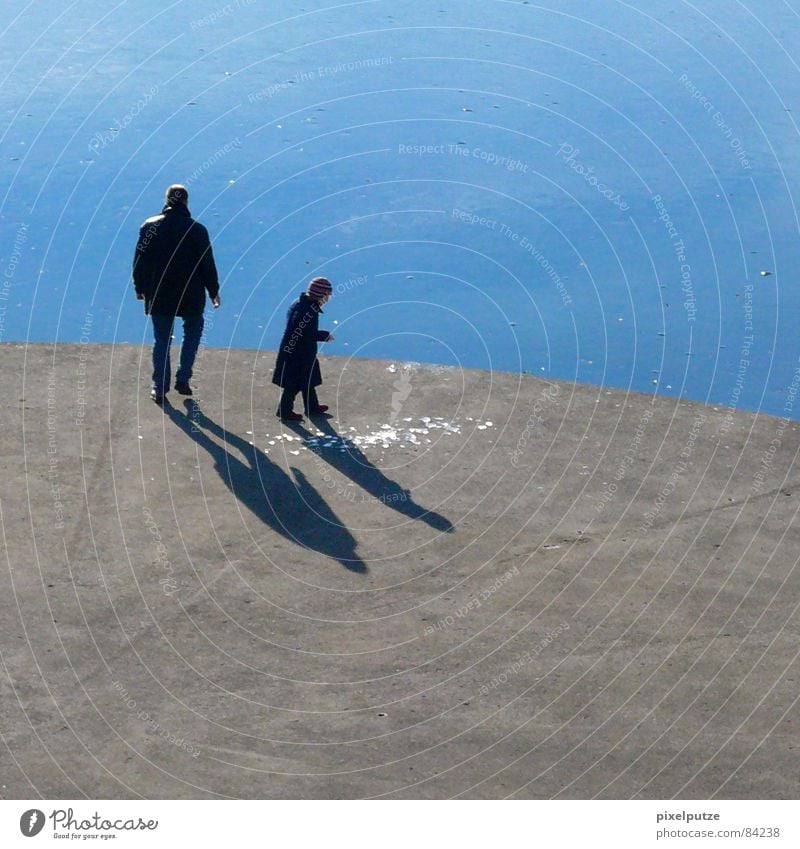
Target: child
[297,369]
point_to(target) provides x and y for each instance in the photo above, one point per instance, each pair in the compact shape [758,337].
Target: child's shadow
[292,508]
[354,464]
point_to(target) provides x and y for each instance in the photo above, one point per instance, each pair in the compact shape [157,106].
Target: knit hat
[177,193]
[319,287]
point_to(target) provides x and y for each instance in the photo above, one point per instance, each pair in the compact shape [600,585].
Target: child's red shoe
[317,411]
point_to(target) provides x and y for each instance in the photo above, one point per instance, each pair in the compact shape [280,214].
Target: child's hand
[330,338]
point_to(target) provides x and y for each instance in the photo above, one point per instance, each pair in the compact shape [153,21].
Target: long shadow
[354,464]
[292,508]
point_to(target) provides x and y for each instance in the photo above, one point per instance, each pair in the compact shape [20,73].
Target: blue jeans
[162,331]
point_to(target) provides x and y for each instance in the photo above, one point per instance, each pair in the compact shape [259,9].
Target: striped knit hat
[319,287]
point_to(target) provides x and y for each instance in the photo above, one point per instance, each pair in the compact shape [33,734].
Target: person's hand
[216,301]
[330,338]
[139,296]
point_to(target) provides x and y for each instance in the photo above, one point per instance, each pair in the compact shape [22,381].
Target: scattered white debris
[402,435]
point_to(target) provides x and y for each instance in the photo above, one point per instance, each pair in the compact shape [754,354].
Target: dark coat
[174,265]
[297,366]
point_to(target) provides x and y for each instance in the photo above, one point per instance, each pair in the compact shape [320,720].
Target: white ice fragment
[409,419]
[272,442]
[488,424]
[550,547]
[294,452]
[481,427]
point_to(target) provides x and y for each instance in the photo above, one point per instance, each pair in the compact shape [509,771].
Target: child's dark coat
[297,366]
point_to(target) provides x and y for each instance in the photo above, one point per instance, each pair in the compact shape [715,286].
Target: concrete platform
[595,595]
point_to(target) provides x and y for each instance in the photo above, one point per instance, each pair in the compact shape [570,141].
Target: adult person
[173,267]
[297,368]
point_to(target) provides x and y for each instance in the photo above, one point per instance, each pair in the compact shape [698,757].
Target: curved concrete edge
[594,595]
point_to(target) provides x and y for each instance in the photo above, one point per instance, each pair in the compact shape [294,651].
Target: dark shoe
[182,387]
[158,398]
[291,417]
[318,411]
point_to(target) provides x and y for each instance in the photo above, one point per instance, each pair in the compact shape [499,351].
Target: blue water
[583,190]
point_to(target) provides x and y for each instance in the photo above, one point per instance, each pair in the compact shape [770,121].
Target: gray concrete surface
[595,596]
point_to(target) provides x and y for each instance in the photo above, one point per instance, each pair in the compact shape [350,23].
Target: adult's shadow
[354,464]
[292,508]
